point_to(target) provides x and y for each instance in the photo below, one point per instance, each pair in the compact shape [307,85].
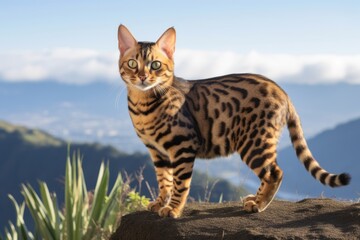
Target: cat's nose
[143,77]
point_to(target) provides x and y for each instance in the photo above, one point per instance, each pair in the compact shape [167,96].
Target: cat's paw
[154,206]
[250,206]
[168,211]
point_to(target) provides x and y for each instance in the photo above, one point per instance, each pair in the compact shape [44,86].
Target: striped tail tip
[339,180]
[344,178]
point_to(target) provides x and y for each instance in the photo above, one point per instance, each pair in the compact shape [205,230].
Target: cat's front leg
[164,176]
[182,172]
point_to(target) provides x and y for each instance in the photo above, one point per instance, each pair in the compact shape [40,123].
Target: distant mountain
[337,150]
[94,112]
[28,155]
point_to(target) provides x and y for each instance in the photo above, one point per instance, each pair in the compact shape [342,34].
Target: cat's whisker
[160,90]
[117,99]
[154,92]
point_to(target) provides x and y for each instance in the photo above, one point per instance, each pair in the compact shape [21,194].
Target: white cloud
[309,69]
[64,65]
[83,66]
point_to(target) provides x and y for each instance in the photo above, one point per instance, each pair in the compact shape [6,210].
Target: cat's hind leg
[270,184]
[262,160]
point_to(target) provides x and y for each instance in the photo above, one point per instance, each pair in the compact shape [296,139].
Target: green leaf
[38,212]
[111,210]
[99,199]
[69,228]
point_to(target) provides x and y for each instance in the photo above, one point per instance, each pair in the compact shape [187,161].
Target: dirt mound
[306,219]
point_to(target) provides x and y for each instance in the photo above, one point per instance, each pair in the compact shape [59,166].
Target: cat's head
[146,65]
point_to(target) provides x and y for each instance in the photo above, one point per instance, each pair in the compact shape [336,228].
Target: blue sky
[292,27]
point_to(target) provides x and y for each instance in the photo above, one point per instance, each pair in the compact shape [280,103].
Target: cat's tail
[304,155]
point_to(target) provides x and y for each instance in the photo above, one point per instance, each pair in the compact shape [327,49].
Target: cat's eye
[155,65]
[132,63]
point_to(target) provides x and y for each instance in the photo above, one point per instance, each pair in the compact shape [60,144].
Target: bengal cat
[179,120]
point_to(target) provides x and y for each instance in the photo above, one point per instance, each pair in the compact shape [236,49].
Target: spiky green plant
[86,215]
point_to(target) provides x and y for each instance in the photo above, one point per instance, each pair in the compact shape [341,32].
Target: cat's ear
[126,39]
[167,42]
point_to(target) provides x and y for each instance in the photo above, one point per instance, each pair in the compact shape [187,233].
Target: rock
[306,219]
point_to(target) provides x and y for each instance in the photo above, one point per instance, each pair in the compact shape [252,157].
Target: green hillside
[29,155]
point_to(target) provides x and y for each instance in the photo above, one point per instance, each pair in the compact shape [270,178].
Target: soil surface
[306,219]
